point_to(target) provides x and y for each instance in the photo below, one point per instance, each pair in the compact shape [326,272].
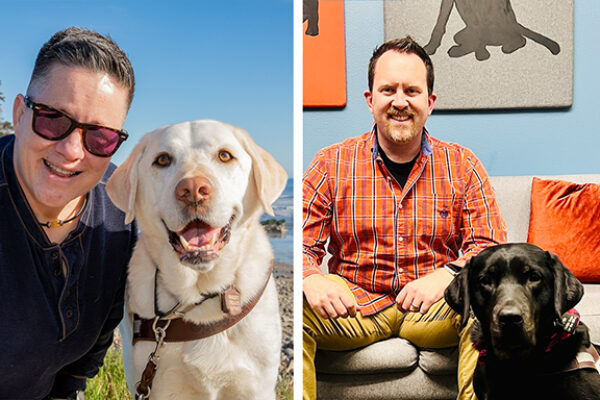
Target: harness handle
[144,386]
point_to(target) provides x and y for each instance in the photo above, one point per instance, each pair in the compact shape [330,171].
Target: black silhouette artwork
[488,23]
[310,11]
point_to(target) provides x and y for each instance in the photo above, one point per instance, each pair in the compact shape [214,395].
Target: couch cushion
[513,194]
[391,355]
[413,385]
[439,361]
[564,220]
[590,311]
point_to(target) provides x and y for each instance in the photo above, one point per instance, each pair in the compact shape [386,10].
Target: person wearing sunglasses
[64,247]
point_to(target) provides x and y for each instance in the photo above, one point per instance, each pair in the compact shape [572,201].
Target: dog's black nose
[510,316]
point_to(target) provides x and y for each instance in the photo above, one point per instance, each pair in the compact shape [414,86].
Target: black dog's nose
[510,316]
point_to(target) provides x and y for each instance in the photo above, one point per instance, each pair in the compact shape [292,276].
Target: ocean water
[283,208]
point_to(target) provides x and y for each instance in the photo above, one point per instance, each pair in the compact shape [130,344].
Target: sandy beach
[285,287]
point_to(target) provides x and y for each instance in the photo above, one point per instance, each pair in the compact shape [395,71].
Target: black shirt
[56,326]
[400,171]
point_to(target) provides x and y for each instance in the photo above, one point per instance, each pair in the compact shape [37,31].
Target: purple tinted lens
[101,141]
[51,124]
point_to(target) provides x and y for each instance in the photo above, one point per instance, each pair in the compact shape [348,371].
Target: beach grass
[285,388]
[110,383]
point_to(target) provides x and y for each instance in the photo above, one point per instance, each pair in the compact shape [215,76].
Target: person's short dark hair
[403,45]
[77,47]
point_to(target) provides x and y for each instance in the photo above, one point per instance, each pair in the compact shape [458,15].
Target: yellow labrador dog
[197,191]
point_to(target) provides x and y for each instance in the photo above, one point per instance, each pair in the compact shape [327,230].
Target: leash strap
[144,386]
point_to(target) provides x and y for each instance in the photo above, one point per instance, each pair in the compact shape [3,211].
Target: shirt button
[54,254]
[400,239]
[400,205]
[56,272]
[400,270]
[69,313]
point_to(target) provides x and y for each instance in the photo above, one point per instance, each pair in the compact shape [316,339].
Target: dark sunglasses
[52,124]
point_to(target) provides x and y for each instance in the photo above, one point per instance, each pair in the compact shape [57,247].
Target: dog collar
[569,321]
[566,324]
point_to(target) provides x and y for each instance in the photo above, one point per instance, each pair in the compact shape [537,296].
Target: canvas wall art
[324,58]
[492,54]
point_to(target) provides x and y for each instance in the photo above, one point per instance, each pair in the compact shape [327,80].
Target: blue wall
[546,142]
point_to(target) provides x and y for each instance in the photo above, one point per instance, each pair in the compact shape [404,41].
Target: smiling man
[401,212]
[64,247]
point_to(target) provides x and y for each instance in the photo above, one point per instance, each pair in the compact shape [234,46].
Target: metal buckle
[160,333]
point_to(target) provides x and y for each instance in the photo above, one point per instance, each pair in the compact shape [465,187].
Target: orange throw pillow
[565,220]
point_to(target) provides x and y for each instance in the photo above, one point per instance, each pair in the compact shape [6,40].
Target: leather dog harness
[587,357]
[170,327]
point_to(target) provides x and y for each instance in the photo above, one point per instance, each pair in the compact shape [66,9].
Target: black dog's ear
[567,289]
[457,294]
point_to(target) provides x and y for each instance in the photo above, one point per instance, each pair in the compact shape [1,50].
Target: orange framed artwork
[324,60]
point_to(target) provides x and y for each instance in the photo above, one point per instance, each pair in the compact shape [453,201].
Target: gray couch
[395,369]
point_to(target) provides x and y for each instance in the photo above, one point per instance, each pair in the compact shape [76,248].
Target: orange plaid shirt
[382,236]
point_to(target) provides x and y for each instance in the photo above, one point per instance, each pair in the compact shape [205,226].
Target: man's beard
[400,134]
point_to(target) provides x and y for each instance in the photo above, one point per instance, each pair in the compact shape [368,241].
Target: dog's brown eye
[163,160]
[225,156]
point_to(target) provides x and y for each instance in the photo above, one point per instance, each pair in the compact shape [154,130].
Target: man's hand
[327,298]
[421,294]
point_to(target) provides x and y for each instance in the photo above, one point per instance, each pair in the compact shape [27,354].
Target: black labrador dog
[530,346]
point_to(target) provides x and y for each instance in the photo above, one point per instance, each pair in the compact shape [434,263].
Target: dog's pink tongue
[198,233]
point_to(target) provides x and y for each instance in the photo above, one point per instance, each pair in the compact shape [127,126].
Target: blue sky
[229,60]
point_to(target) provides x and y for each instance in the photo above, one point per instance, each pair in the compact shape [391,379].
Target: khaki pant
[439,328]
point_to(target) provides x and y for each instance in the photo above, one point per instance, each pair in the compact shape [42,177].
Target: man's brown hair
[403,45]
[77,47]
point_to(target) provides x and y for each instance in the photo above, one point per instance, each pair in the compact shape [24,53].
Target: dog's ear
[268,175]
[567,289]
[457,294]
[122,185]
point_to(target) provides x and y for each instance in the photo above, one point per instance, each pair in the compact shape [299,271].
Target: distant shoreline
[280,268]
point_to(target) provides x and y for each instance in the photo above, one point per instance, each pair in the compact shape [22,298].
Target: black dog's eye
[485,281]
[535,276]
[162,160]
